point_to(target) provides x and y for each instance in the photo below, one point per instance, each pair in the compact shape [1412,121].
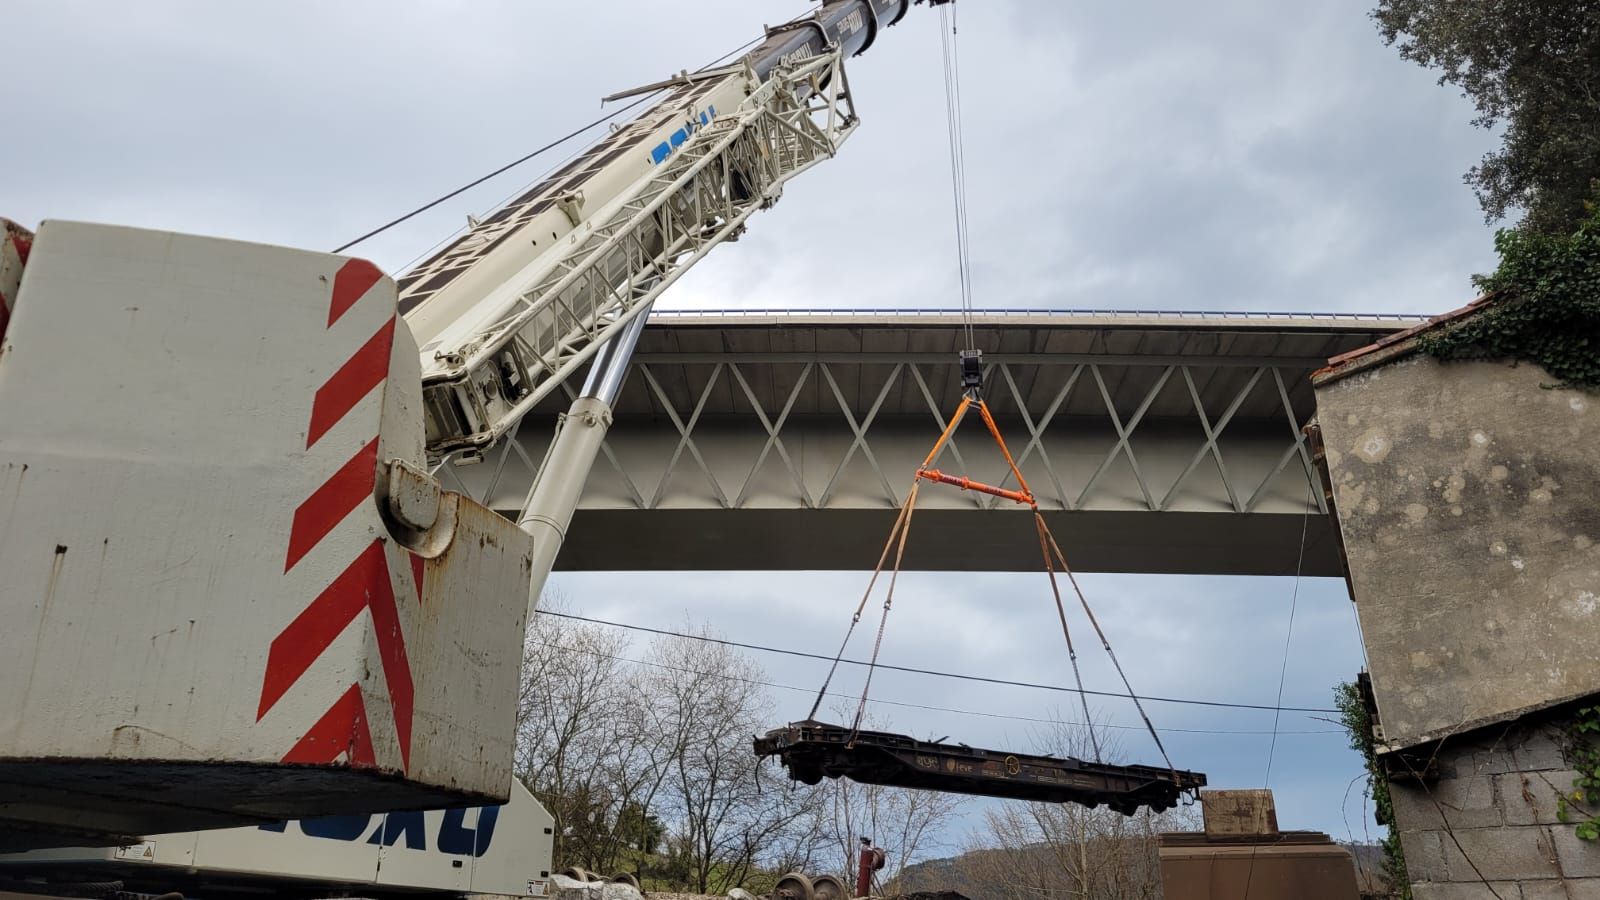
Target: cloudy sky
[1237,154]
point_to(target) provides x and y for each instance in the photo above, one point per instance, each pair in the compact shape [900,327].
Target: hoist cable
[897,538]
[1106,643]
[1283,670]
[888,601]
[1066,632]
[855,619]
[958,166]
[1049,550]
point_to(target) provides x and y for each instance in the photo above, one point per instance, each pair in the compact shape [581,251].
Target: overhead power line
[933,672]
[920,706]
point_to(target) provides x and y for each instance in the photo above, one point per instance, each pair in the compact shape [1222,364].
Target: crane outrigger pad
[813,750]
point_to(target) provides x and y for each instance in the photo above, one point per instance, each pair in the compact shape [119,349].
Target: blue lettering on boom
[681,136]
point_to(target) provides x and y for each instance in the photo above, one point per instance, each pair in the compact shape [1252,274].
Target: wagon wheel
[794,886]
[829,887]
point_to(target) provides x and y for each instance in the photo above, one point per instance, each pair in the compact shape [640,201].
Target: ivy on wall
[1547,307]
[1584,757]
[1358,722]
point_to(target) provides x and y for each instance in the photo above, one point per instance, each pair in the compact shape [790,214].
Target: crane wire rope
[1061,611]
[547,147]
[1283,670]
[888,601]
[1049,549]
[855,618]
[948,33]
[958,165]
[480,180]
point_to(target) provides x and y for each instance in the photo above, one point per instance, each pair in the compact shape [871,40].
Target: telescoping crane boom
[225,450]
[566,272]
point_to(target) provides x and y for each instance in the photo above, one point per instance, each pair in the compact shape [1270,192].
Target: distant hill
[970,874]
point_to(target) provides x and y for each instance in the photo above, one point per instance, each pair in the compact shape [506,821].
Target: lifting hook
[972,374]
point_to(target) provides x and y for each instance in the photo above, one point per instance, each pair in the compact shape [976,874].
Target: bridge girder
[1155,443]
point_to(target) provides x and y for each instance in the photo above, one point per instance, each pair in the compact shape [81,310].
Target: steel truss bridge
[1155,442]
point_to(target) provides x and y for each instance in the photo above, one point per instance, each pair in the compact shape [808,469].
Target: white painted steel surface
[208,619]
[501,349]
[497,851]
[1156,441]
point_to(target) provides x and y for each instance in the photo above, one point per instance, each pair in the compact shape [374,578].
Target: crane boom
[524,298]
[333,632]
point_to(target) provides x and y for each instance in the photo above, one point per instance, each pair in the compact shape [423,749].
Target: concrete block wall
[1488,826]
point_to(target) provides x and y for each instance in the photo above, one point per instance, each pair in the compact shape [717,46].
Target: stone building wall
[1468,500]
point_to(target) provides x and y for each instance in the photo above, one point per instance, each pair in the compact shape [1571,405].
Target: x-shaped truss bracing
[1074,482]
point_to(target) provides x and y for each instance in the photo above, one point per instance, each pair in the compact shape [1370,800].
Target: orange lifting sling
[966,484]
[1048,548]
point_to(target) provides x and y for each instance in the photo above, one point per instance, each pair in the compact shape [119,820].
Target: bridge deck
[1156,442]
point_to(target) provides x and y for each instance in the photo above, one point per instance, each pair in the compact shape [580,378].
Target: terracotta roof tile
[1401,343]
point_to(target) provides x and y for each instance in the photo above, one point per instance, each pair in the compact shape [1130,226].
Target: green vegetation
[1584,757]
[1547,309]
[1533,72]
[1353,713]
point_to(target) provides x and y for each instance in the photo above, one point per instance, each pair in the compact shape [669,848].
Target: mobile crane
[235,592]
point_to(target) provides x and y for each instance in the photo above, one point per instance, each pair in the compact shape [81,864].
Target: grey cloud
[1244,153]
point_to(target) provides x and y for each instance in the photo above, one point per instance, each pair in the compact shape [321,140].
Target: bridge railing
[1186,314]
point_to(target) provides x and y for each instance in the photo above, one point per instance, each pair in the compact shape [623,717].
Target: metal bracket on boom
[972,374]
[679,80]
[571,203]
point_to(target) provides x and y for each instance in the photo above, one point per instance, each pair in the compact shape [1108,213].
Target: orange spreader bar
[967,484]
[1022,495]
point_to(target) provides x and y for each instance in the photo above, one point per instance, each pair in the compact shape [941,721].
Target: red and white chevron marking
[15,242]
[365,583]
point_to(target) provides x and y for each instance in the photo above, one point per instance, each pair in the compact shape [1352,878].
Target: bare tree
[905,823]
[1051,850]
[727,818]
[583,747]
[647,764]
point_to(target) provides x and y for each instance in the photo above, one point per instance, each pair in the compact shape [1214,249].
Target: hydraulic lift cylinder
[555,493]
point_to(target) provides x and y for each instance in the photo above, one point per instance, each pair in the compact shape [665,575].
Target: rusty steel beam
[813,751]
